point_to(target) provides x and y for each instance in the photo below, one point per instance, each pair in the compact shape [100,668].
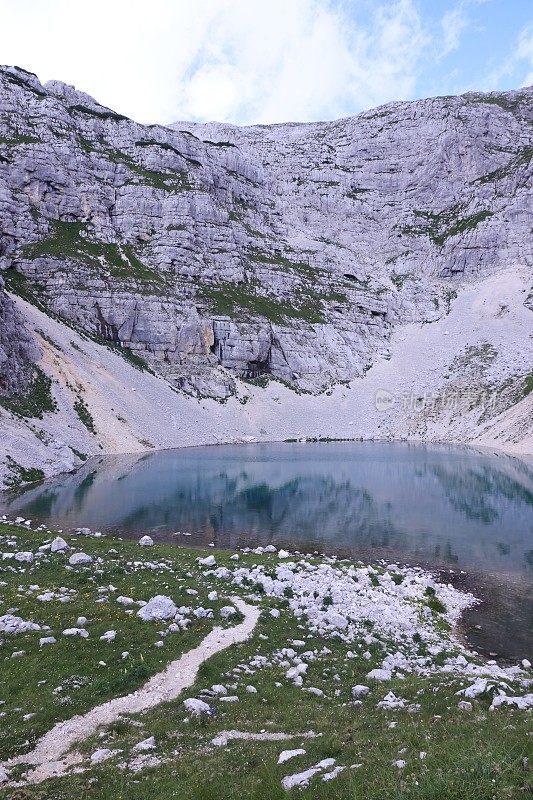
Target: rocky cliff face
[214,252]
[18,349]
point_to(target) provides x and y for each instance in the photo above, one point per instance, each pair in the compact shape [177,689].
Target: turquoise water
[438,506]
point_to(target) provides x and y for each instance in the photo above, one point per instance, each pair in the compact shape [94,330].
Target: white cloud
[518,66]
[300,61]
[453,24]
[231,60]
[524,53]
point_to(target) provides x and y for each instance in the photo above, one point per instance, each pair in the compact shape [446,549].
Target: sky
[265,61]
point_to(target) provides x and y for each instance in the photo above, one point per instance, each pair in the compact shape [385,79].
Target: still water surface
[438,506]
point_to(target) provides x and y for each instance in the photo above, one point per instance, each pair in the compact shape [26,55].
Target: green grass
[521,158]
[70,241]
[18,139]
[19,474]
[234,300]
[165,181]
[445,225]
[285,264]
[527,387]
[399,278]
[476,358]
[35,401]
[76,660]
[470,756]
[98,113]
[307,299]
[219,144]
[501,100]
[166,146]
[17,80]
[84,415]
[355,192]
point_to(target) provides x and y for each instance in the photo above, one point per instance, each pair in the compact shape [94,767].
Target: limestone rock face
[17,348]
[289,250]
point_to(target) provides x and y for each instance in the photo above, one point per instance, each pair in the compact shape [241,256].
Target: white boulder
[79,558]
[209,561]
[196,707]
[159,607]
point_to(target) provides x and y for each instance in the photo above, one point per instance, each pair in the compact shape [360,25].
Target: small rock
[359,690]
[79,558]
[196,707]
[379,675]
[146,744]
[102,754]
[76,632]
[159,607]
[285,755]
[209,561]
[58,545]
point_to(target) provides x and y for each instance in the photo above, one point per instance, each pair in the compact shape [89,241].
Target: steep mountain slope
[314,254]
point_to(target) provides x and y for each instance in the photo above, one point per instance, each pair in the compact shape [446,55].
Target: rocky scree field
[343,680]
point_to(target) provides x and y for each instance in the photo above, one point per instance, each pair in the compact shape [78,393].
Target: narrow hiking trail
[51,756]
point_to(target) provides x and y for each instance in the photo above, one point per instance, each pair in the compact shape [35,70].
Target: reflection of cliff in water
[434,505]
[480,493]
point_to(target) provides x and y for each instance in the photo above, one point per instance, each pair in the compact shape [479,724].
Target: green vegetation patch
[69,240]
[84,415]
[355,192]
[528,385]
[165,181]
[36,401]
[520,159]
[502,100]
[166,146]
[20,474]
[444,225]
[18,139]
[98,113]
[17,80]
[34,293]
[219,144]
[235,300]
[399,278]
[476,358]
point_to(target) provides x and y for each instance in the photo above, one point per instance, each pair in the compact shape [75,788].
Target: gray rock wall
[18,350]
[214,251]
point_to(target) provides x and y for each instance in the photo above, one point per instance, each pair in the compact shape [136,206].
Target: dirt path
[51,758]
